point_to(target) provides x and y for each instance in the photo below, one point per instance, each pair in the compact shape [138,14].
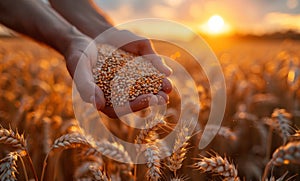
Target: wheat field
[40,139]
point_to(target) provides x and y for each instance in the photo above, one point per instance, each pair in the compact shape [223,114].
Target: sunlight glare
[215,24]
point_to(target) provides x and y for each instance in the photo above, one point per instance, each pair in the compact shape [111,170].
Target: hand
[81,55]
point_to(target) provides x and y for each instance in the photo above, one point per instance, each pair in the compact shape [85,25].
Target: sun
[216,24]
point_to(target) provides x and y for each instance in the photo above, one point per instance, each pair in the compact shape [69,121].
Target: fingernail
[167,85]
[153,101]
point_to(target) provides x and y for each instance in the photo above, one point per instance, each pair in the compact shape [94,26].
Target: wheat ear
[282,123]
[217,165]
[67,141]
[9,137]
[17,141]
[147,134]
[153,162]
[97,173]
[221,131]
[71,140]
[179,149]
[113,150]
[287,154]
[8,167]
[90,171]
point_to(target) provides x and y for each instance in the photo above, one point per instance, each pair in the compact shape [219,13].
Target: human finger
[141,102]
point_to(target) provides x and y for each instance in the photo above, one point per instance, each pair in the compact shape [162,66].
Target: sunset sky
[243,16]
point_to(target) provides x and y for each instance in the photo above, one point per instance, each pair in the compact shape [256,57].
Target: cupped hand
[81,55]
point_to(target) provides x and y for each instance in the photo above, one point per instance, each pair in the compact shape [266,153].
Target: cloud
[283,20]
[163,11]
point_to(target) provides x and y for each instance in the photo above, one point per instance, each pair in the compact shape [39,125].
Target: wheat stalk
[179,149]
[8,167]
[286,154]
[153,162]
[217,165]
[14,139]
[46,134]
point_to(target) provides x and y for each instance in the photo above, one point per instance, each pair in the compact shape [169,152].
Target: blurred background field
[261,75]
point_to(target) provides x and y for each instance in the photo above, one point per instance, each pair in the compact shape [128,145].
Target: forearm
[83,14]
[37,20]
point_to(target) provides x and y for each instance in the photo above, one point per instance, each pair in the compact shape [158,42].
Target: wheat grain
[14,139]
[217,165]
[153,162]
[179,149]
[118,72]
[8,167]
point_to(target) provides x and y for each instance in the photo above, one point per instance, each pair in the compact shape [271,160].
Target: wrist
[64,39]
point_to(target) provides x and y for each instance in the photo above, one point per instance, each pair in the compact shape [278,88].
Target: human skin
[55,27]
